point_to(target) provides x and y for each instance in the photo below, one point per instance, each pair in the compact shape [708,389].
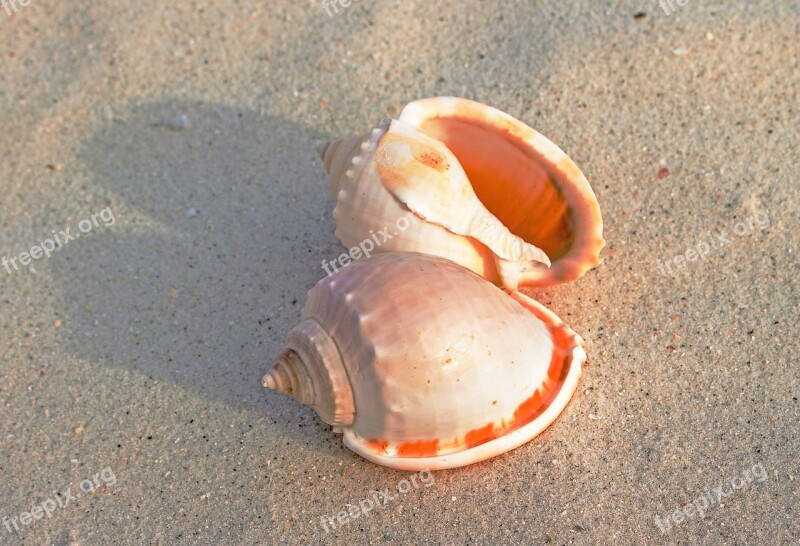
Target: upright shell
[421,363]
[462,180]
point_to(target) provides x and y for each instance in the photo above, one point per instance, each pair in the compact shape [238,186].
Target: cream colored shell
[461,180]
[423,364]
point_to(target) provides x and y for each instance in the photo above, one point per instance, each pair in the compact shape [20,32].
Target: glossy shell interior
[524,179]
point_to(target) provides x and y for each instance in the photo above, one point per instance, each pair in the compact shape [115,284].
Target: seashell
[472,184]
[421,363]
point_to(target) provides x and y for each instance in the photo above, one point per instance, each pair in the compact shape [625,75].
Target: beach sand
[133,356]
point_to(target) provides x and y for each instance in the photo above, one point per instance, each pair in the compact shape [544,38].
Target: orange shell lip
[531,417]
[514,167]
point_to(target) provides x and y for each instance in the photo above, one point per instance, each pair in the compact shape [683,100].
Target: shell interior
[514,186]
[522,178]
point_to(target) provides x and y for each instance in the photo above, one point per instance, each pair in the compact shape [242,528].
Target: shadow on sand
[221,227]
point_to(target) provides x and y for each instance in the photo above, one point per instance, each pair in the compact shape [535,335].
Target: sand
[132,356]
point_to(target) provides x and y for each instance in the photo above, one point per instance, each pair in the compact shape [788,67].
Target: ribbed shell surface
[432,350]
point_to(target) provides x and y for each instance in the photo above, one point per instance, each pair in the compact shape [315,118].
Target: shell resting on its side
[475,185]
[423,364]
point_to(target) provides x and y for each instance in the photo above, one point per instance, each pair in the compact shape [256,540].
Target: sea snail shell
[491,193]
[421,363]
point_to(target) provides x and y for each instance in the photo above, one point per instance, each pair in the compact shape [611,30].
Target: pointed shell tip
[277,380]
[269,382]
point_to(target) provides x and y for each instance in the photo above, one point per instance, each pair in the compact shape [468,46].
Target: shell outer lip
[502,444]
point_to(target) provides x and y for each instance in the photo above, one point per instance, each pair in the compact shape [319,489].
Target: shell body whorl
[488,191]
[444,368]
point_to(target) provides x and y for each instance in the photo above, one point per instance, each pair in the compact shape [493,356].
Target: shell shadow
[220,229]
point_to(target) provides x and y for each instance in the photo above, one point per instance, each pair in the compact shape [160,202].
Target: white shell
[461,180]
[432,366]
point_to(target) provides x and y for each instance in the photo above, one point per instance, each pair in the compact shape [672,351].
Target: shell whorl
[288,376]
[346,156]
[310,369]
[336,157]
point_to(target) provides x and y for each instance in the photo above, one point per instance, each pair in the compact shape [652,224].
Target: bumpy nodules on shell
[430,365]
[336,157]
[517,199]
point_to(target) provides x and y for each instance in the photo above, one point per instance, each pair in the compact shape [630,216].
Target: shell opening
[515,186]
[524,180]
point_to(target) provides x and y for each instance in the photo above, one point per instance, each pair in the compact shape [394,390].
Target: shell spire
[310,370]
[335,155]
[343,157]
[289,377]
